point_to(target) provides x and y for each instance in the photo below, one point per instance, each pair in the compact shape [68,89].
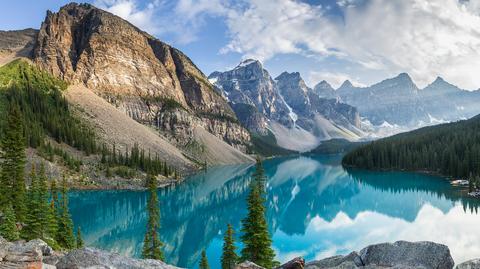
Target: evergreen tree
[12,181]
[33,224]
[52,221]
[229,257]
[79,238]
[151,243]
[256,238]
[8,227]
[65,237]
[43,203]
[204,261]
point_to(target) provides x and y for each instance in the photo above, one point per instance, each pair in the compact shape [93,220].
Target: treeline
[39,211]
[451,149]
[257,243]
[45,112]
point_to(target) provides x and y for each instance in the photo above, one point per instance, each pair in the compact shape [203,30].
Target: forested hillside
[48,123]
[451,149]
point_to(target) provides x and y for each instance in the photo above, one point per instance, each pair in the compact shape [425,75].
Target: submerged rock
[94,258]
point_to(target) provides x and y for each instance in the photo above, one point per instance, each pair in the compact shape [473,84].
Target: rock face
[150,81]
[285,106]
[14,44]
[400,254]
[23,254]
[94,258]
[472,264]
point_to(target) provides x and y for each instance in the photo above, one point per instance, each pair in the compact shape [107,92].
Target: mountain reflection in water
[315,209]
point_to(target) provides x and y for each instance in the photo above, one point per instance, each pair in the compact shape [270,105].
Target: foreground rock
[37,254]
[472,264]
[94,258]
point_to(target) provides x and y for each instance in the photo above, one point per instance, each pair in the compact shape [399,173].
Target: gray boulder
[248,265]
[297,263]
[404,254]
[351,261]
[471,264]
[94,258]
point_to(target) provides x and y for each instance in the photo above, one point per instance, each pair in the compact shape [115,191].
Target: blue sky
[364,41]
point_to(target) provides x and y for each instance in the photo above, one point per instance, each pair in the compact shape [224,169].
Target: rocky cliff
[150,81]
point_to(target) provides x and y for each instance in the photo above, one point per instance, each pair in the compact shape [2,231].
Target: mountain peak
[289,76]
[404,76]
[324,85]
[248,62]
[346,84]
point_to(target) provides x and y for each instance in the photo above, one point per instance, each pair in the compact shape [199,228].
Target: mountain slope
[150,81]
[297,117]
[451,149]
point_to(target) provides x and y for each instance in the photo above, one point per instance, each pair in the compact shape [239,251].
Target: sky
[364,41]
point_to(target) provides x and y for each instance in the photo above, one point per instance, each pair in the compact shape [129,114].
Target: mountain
[451,149]
[297,118]
[132,89]
[324,90]
[398,104]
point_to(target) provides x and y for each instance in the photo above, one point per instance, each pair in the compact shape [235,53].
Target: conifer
[256,238]
[8,227]
[12,181]
[229,257]
[79,238]
[33,223]
[151,243]
[204,261]
[65,237]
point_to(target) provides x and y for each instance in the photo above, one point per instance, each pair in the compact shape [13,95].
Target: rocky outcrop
[23,254]
[150,81]
[94,258]
[400,254]
[14,44]
[472,264]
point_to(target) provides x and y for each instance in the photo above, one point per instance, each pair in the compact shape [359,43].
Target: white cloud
[335,79]
[143,18]
[425,38]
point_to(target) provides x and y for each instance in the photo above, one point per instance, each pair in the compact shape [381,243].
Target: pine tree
[256,238]
[65,237]
[151,243]
[8,227]
[204,261]
[43,202]
[229,257]
[33,223]
[52,221]
[79,238]
[12,181]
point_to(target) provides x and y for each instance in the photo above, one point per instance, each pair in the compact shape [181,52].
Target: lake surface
[315,209]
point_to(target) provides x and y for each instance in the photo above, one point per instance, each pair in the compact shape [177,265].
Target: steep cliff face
[149,80]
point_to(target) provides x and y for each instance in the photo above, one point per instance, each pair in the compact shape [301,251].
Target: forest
[451,149]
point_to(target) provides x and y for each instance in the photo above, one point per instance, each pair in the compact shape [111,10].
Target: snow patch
[246,62]
[291,114]
[213,80]
[296,139]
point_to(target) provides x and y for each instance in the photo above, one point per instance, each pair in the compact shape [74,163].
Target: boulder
[350,261]
[297,263]
[248,265]
[21,251]
[471,264]
[4,246]
[404,254]
[94,258]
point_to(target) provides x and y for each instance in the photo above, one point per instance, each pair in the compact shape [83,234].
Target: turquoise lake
[316,209]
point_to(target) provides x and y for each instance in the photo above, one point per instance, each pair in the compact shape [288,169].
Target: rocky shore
[36,254]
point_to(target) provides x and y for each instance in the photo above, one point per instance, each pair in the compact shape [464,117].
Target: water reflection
[315,209]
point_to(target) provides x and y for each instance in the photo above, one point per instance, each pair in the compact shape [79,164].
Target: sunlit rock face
[149,80]
[315,209]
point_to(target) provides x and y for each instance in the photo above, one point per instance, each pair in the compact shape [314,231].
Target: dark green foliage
[47,151]
[8,226]
[33,221]
[45,111]
[65,237]
[152,246]
[217,116]
[79,238]
[449,149]
[256,239]
[229,256]
[13,162]
[266,145]
[204,261]
[336,146]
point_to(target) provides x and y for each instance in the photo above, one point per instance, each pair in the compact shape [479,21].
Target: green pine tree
[12,181]
[256,238]
[65,237]
[79,238]
[33,222]
[151,243]
[204,261]
[43,202]
[52,221]
[229,257]
[8,227]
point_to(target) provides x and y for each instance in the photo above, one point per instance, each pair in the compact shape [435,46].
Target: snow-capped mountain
[297,117]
